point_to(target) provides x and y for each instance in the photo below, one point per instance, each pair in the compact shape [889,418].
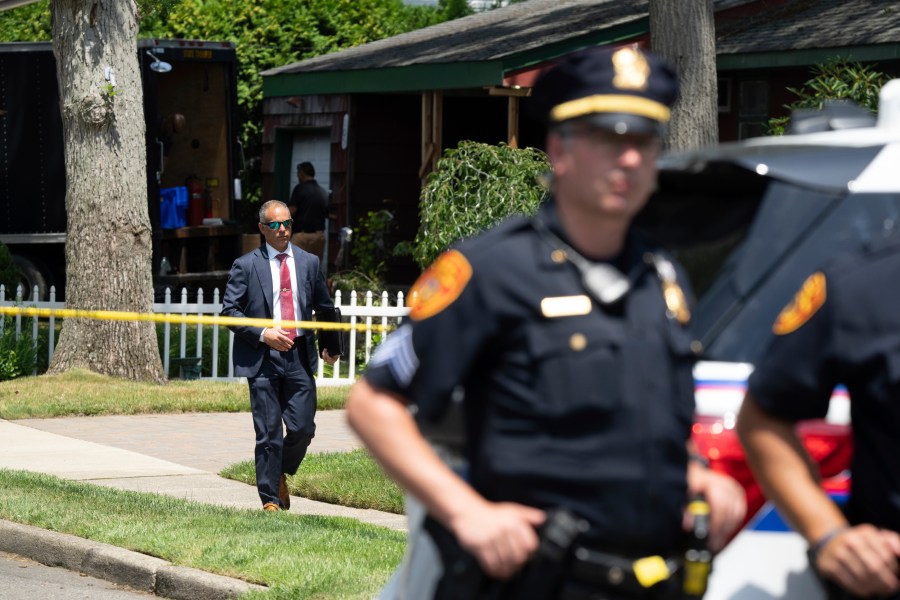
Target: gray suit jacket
[249,294]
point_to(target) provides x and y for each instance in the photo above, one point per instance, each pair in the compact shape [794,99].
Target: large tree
[684,33]
[108,236]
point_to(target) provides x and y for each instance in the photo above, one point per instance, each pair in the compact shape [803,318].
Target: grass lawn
[296,556]
[82,393]
[345,478]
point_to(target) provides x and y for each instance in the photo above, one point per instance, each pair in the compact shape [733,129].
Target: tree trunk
[684,33]
[108,236]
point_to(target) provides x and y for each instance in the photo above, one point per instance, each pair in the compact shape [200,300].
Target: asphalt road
[24,579]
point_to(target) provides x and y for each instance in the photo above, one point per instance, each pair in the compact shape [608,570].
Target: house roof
[472,51]
[482,49]
[803,32]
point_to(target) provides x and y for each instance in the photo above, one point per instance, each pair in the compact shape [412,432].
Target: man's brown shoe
[271,507]
[284,494]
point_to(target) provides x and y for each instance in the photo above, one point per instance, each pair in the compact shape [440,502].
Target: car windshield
[748,242]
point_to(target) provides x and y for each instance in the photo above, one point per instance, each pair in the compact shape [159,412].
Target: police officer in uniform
[843,327]
[564,342]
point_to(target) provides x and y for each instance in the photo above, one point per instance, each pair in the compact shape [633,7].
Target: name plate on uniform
[565,306]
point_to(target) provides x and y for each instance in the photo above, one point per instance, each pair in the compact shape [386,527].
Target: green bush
[837,79]
[370,252]
[350,280]
[19,357]
[474,187]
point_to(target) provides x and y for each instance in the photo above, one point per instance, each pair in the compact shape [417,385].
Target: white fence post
[167,329]
[51,341]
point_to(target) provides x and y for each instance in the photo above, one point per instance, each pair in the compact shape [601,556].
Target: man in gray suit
[278,281]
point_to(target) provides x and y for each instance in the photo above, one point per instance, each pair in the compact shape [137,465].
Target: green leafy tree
[837,79]
[26,23]
[454,9]
[474,187]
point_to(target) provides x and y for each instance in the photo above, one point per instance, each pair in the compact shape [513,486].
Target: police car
[750,221]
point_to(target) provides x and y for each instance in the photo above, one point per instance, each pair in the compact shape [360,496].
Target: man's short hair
[266,206]
[307,169]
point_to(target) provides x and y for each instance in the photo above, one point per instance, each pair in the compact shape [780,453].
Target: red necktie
[287,297]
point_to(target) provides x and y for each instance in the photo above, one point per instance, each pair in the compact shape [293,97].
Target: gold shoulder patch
[808,300]
[439,285]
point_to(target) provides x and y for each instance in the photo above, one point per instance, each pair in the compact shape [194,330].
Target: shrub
[369,250]
[837,79]
[474,187]
[18,356]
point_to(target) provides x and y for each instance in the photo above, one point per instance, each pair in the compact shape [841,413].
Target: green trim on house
[799,58]
[412,78]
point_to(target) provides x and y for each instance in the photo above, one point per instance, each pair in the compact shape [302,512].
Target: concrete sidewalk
[175,455]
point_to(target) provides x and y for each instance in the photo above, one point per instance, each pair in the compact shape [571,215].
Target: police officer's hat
[626,90]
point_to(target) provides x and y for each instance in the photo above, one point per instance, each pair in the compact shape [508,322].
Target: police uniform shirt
[566,402]
[843,327]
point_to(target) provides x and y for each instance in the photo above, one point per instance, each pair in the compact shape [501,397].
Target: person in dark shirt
[842,328]
[309,208]
[562,342]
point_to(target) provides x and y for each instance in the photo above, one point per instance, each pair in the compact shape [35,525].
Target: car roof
[854,159]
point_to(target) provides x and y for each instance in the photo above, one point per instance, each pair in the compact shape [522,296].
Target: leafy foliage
[30,23]
[17,353]
[837,79]
[369,245]
[454,9]
[475,186]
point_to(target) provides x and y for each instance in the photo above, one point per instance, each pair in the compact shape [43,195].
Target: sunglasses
[273,225]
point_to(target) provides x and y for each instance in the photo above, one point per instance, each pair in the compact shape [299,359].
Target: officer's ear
[553,142]
[557,149]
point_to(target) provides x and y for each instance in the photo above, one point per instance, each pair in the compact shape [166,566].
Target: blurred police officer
[564,338]
[843,327]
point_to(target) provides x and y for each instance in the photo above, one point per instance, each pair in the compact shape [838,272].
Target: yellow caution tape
[178,318]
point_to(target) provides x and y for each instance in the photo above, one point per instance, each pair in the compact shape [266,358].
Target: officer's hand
[864,560]
[727,503]
[329,358]
[277,339]
[502,536]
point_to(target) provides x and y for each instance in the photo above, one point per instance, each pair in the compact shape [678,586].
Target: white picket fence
[370,317]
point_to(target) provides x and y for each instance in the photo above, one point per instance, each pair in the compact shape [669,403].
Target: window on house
[723,87]
[753,109]
[754,99]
